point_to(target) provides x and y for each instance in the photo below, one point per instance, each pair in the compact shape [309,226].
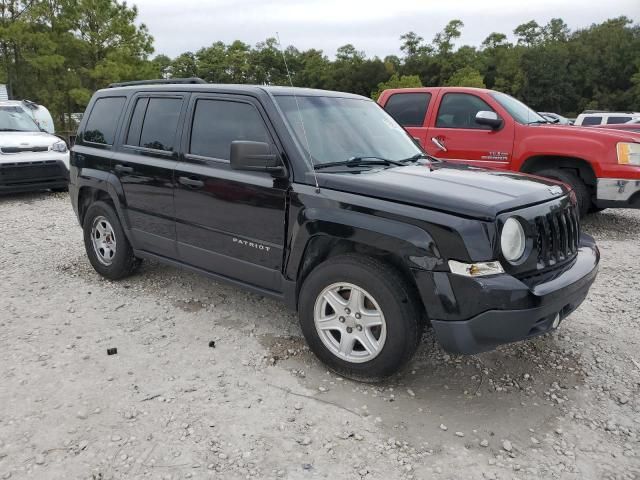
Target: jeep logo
[247,243]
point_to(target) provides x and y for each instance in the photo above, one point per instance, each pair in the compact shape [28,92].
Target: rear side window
[103,119]
[458,110]
[617,120]
[408,109]
[591,120]
[217,123]
[160,123]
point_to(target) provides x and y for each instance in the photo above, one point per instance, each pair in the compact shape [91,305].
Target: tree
[529,33]
[397,81]
[466,77]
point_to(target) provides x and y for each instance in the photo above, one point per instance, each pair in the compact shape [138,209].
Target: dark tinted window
[160,123]
[617,120]
[458,110]
[217,123]
[408,109]
[102,122]
[135,127]
[591,120]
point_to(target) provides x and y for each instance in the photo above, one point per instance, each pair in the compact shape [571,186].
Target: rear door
[456,136]
[409,110]
[229,222]
[144,164]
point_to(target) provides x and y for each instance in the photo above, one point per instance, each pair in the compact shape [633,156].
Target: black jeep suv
[322,200]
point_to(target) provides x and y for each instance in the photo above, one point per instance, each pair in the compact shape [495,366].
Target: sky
[373,26]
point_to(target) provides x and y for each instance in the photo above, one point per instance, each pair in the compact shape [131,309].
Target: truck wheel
[577,185]
[360,317]
[107,247]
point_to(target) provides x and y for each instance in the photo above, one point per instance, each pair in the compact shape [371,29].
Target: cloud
[373,26]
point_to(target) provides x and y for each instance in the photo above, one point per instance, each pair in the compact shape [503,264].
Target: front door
[228,222]
[144,164]
[457,137]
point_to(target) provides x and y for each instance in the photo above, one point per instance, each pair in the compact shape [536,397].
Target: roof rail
[159,81]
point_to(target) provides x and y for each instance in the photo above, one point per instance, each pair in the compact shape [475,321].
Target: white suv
[591,119]
[30,159]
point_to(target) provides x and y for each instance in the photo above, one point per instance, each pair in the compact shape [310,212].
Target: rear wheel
[583,195]
[108,249]
[360,317]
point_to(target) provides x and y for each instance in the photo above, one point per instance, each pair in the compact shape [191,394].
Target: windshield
[340,129]
[518,110]
[13,118]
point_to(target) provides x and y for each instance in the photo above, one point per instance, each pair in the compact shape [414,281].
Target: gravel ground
[257,404]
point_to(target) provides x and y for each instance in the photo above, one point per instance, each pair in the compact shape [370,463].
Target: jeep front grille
[558,233]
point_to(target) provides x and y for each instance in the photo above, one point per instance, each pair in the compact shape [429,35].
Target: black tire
[583,195]
[397,301]
[123,263]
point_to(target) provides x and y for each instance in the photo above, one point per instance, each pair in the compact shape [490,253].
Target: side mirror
[491,119]
[255,156]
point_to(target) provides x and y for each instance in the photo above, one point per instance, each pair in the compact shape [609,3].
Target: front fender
[414,246]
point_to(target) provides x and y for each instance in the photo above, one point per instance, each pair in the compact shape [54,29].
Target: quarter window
[102,122]
[217,123]
[458,110]
[408,109]
[617,120]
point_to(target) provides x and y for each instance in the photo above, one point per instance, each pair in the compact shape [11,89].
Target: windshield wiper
[419,156]
[359,161]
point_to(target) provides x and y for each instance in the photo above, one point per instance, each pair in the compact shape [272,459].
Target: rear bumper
[618,193]
[21,176]
[513,310]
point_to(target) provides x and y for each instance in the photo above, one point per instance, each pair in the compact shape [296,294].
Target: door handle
[191,182]
[123,169]
[438,142]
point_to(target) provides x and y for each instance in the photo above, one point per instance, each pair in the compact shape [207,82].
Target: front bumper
[618,193]
[25,176]
[505,308]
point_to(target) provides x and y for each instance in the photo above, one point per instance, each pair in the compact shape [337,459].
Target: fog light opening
[556,321]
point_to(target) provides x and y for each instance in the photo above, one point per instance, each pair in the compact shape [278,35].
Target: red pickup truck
[493,130]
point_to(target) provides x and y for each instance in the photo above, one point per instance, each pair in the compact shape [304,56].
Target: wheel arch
[400,245]
[580,166]
[101,186]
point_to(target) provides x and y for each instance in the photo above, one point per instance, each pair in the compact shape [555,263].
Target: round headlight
[512,240]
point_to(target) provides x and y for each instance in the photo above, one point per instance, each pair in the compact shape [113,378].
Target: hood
[459,189]
[27,139]
[590,132]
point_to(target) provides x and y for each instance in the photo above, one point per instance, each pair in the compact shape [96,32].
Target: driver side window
[458,110]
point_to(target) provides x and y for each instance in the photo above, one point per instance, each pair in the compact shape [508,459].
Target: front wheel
[583,196]
[360,317]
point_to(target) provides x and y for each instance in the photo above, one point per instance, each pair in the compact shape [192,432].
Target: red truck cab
[490,129]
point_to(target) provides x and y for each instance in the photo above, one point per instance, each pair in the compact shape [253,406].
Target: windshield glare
[338,129]
[518,110]
[13,117]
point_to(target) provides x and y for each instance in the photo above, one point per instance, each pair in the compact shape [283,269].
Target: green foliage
[58,52]
[466,77]
[397,81]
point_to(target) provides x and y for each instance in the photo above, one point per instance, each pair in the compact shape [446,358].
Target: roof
[255,90]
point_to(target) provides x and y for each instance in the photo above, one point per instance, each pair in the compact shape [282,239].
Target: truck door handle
[191,182]
[123,169]
[439,143]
